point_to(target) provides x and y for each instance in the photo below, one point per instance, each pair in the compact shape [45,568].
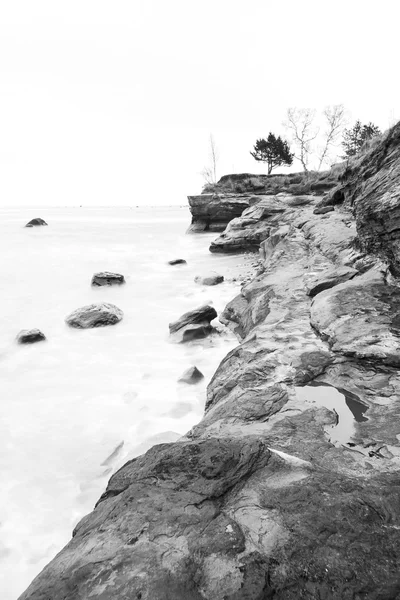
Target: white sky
[111,102]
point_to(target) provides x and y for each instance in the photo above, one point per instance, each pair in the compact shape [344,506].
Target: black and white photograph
[199,300]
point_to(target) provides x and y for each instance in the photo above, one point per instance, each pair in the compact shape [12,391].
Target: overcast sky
[111,102]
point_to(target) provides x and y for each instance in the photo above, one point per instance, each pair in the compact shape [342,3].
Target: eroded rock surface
[95,315]
[258,501]
[212,212]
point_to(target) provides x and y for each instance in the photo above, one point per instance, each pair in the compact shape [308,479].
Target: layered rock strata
[259,500]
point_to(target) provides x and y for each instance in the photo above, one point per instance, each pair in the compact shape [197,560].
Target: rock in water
[95,315]
[192,375]
[194,324]
[30,336]
[107,278]
[177,261]
[211,279]
[36,222]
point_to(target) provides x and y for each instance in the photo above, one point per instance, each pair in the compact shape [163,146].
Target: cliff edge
[289,487]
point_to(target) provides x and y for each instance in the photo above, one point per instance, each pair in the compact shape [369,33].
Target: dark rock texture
[210,279]
[191,375]
[30,336]
[107,278]
[36,223]
[95,315]
[258,500]
[193,324]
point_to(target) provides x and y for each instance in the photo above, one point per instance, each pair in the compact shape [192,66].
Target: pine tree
[274,151]
[355,138]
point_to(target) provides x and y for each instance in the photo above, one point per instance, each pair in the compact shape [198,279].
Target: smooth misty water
[70,402]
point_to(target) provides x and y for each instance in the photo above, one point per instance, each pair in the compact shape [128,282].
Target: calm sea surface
[76,407]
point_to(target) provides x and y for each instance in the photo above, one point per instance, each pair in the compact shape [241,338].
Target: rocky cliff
[289,487]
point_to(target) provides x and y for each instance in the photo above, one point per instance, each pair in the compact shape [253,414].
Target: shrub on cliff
[355,138]
[274,151]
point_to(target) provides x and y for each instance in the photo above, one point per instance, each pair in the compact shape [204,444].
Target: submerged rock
[107,278]
[36,222]
[177,261]
[95,315]
[193,324]
[191,375]
[30,336]
[210,279]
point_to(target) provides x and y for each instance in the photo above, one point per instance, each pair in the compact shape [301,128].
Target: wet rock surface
[94,315]
[260,500]
[107,278]
[30,336]
[36,222]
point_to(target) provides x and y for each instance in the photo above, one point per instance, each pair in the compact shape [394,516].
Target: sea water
[76,407]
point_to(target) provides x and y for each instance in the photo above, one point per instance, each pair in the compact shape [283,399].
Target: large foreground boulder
[36,222]
[107,278]
[30,336]
[95,315]
[193,324]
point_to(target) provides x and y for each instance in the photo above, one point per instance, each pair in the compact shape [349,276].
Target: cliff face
[272,494]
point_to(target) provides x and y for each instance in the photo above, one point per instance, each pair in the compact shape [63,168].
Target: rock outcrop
[107,278]
[260,500]
[193,325]
[95,315]
[30,336]
[36,222]
[212,212]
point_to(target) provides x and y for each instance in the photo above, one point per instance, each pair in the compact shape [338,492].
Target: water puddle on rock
[347,407]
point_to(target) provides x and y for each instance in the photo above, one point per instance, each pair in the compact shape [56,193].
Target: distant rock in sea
[30,336]
[210,279]
[192,375]
[107,278]
[177,261]
[36,222]
[95,315]
[194,324]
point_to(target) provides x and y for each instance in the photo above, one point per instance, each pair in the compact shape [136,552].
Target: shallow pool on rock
[348,408]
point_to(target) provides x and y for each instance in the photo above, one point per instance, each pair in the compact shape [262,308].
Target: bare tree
[335,120]
[209,173]
[300,122]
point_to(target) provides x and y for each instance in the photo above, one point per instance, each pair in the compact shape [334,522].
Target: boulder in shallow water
[210,279]
[36,222]
[177,261]
[107,278]
[193,324]
[30,336]
[192,375]
[95,315]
